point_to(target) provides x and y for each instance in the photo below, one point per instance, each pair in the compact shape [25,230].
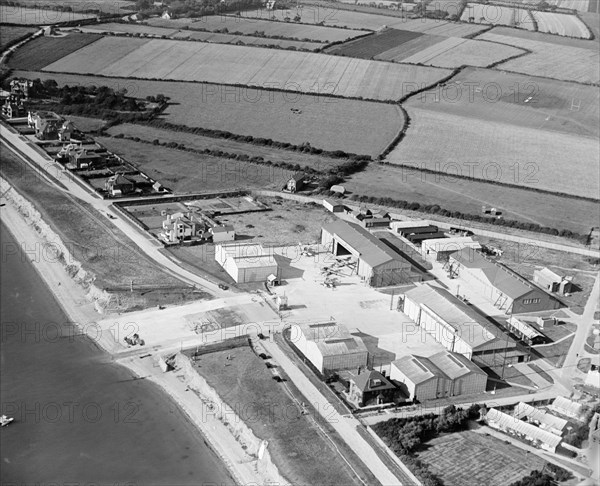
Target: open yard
[468,196]
[268,28]
[568,62]
[241,65]
[40,52]
[200,142]
[500,152]
[38,16]
[185,172]
[296,443]
[11,34]
[473,459]
[497,15]
[263,114]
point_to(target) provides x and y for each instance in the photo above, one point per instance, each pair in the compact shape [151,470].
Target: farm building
[377,264]
[506,423]
[444,374]
[553,282]
[505,288]
[224,232]
[246,262]
[295,183]
[440,249]
[329,346]
[333,205]
[541,418]
[458,327]
[524,331]
[371,388]
[567,407]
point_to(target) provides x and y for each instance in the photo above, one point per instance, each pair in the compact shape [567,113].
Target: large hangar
[377,264]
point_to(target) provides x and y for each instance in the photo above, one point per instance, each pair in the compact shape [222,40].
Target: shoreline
[80,311]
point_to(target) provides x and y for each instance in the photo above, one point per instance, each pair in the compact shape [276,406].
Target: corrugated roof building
[567,407]
[505,288]
[442,375]
[458,327]
[329,346]
[378,265]
[543,419]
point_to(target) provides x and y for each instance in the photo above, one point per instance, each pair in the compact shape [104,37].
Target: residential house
[84,159]
[371,388]
[45,123]
[179,227]
[21,88]
[166,15]
[329,346]
[224,232]
[14,107]
[66,131]
[119,185]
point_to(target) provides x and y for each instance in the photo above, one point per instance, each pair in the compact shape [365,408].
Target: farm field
[184,172]
[540,37]
[468,196]
[200,142]
[39,52]
[453,52]
[566,25]
[500,152]
[550,60]
[473,459]
[216,63]
[531,102]
[250,26]
[369,47]
[129,28]
[263,114]
[441,27]
[105,6]
[9,34]
[497,15]
[37,16]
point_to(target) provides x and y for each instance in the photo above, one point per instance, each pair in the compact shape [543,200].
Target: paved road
[344,426]
[104,207]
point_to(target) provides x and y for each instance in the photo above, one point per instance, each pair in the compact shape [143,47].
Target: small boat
[4,420]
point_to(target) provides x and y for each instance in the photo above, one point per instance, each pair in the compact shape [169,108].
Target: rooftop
[332,339]
[371,249]
[547,419]
[451,244]
[443,365]
[511,423]
[371,380]
[562,404]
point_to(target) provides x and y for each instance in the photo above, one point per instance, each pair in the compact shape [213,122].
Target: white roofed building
[440,249]
[245,263]
[567,407]
[542,418]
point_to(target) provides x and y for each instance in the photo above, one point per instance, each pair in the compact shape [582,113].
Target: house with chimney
[370,388]
[46,124]
[119,185]
[179,227]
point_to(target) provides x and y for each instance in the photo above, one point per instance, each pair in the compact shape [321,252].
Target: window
[531,301]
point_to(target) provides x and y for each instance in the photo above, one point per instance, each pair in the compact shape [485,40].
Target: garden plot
[241,65]
[496,15]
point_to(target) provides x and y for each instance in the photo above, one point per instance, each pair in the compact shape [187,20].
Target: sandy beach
[72,298]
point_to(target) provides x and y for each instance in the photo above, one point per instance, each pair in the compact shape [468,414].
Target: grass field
[185,172]
[551,60]
[565,25]
[497,15]
[499,152]
[473,459]
[468,196]
[246,26]
[217,63]
[37,16]
[441,28]
[9,34]
[539,37]
[40,52]
[200,36]
[453,52]
[200,142]
[369,47]
[263,114]
[106,6]
[296,444]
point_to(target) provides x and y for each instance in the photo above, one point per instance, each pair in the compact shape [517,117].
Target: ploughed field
[240,65]
[265,26]
[532,132]
[417,48]
[360,127]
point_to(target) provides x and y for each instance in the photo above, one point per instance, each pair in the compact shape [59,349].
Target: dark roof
[371,249]
[501,277]
[368,381]
[298,177]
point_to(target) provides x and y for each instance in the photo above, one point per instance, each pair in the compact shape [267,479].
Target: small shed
[295,183]
[333,205]
[337,188]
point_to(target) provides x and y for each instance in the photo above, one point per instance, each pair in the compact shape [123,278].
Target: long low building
[506,289]
[459,328]
[506,423]
[442,375]
[246,263]
[377,264]
[542,418]
[329,346]
[440,249]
